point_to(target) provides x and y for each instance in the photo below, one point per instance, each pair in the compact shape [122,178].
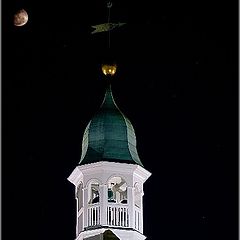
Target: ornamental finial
[109,69]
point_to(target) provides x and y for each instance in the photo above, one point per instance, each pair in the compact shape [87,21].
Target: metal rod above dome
[108,26]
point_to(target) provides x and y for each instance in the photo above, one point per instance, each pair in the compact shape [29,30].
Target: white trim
[80,212]
[117,175]
[75,177]
[105,166]
[92,180]
[122,234]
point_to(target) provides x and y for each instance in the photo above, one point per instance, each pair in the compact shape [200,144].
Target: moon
[20,18]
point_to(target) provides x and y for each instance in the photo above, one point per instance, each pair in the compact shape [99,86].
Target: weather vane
[107,27]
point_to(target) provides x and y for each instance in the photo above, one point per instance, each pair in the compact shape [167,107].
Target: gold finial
[109,69]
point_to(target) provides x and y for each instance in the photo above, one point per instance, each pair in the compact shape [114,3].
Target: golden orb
[109,69]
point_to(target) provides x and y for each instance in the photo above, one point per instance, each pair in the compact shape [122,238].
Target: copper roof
[109,136]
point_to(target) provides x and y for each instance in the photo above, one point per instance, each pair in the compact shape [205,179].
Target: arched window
[117,190]
[93,192]
[137,195]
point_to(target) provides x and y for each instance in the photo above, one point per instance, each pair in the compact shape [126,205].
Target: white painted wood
[127,217]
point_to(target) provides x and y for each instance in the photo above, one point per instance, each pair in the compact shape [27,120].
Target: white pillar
[76,188]
[141,214]
[85,207]
[130,194]
[103,204]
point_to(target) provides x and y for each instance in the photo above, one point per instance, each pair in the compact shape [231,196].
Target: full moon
[20,18]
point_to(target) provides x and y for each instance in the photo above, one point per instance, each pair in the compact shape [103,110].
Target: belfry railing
[137,218]
[117,215]
[93,215]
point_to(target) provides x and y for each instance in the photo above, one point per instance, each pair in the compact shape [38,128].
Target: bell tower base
[118,234]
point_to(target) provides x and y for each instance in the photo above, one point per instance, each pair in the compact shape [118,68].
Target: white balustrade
[117,215]
[93,215]
[137,216]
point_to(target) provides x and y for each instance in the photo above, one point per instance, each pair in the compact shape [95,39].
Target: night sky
[177,82]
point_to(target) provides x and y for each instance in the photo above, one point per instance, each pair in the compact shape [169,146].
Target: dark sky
[177,81]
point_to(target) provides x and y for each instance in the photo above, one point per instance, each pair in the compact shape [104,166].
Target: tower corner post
[103,204]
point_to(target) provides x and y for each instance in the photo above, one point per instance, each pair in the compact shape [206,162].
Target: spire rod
[109,68]
[108,26]
[109,5]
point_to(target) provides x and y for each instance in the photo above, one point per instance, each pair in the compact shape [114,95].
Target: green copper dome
[109,136]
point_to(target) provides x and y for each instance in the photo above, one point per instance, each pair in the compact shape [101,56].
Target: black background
[177,81]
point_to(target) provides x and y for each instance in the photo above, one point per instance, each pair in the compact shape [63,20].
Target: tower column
[141,207]
[103,204]
[130,194]
[85,205]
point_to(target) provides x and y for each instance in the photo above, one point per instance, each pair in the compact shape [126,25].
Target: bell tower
[109,177]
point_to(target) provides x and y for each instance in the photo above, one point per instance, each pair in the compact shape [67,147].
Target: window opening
[117,190]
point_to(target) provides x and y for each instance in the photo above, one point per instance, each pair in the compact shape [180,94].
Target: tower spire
[109,177]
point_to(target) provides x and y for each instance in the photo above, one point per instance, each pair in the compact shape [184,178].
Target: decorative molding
[75,177]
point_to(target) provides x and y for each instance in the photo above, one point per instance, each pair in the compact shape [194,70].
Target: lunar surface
[20,18]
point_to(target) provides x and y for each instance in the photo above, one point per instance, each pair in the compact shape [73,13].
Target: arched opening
[138,206]
[93,192]
[93,209]
[137,195]
[117,190]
